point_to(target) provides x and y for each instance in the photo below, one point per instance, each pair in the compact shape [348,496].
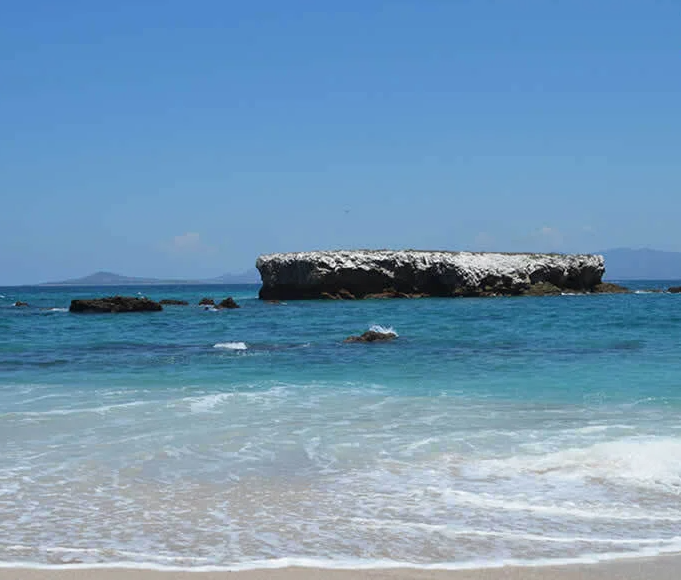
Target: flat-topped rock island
[410,273]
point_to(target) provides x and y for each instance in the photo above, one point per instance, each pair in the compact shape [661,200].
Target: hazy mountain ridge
[641,264]
[620,264]
[111,279]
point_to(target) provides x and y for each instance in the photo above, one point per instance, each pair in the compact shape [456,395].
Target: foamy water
[493,431]
[231,345]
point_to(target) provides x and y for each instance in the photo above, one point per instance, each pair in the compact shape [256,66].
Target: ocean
[492,430]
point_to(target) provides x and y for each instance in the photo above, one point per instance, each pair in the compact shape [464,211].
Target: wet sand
[660,568]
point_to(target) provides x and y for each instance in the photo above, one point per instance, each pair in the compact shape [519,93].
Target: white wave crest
[505,504]
[231,345]
[188,565]
[74,411]
[383,329]
[58,309]
[207,403]
[644,462]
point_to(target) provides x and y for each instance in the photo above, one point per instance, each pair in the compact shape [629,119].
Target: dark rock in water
[410,273]
[206,302]
[173,302]
[114,304]
[19,303]
[372,336]
[228,303]
[274,302]
[674,290]
[610,288]
[548,289]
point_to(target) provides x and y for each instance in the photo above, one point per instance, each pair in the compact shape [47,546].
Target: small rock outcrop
[114,304]
[400,274]
[674,290]
[172,302]
[20,304]
[372,336]
[228,302]
[206,302]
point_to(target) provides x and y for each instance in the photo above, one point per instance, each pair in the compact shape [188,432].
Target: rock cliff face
[363,273]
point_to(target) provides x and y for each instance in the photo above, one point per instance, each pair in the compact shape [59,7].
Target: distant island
[110,279]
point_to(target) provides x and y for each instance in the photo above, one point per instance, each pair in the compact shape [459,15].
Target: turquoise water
[492,430]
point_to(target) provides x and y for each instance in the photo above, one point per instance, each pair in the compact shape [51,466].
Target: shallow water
[491,430]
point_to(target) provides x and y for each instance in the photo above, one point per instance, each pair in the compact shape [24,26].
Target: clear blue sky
[176,138]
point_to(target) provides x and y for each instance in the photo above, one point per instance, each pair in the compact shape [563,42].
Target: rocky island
[410,273]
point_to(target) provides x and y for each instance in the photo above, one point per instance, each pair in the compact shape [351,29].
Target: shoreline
[663,567]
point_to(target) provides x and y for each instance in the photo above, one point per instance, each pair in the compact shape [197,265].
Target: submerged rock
[342,294]
[20,304]
[173,302]
[114,304]
[372,336]
[543,289]
[389,293]
[228,303]
[610,288]
[400,274]
[206,302]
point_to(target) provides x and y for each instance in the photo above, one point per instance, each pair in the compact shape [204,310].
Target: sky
[183,139]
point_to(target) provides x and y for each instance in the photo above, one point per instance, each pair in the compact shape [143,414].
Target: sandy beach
[660,568]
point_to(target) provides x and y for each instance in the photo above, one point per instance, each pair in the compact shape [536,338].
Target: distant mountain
[103,279]
[620,264]
[110,279]
[251,276]
[643,264]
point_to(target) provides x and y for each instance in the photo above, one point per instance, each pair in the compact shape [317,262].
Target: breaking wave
[383,329]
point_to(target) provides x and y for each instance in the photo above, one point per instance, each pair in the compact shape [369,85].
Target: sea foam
[231,345]
[643,462]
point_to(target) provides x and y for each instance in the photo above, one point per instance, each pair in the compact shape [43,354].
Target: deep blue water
[491,429]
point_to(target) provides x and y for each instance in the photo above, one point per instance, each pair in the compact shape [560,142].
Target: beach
[660,568]
[359,291]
